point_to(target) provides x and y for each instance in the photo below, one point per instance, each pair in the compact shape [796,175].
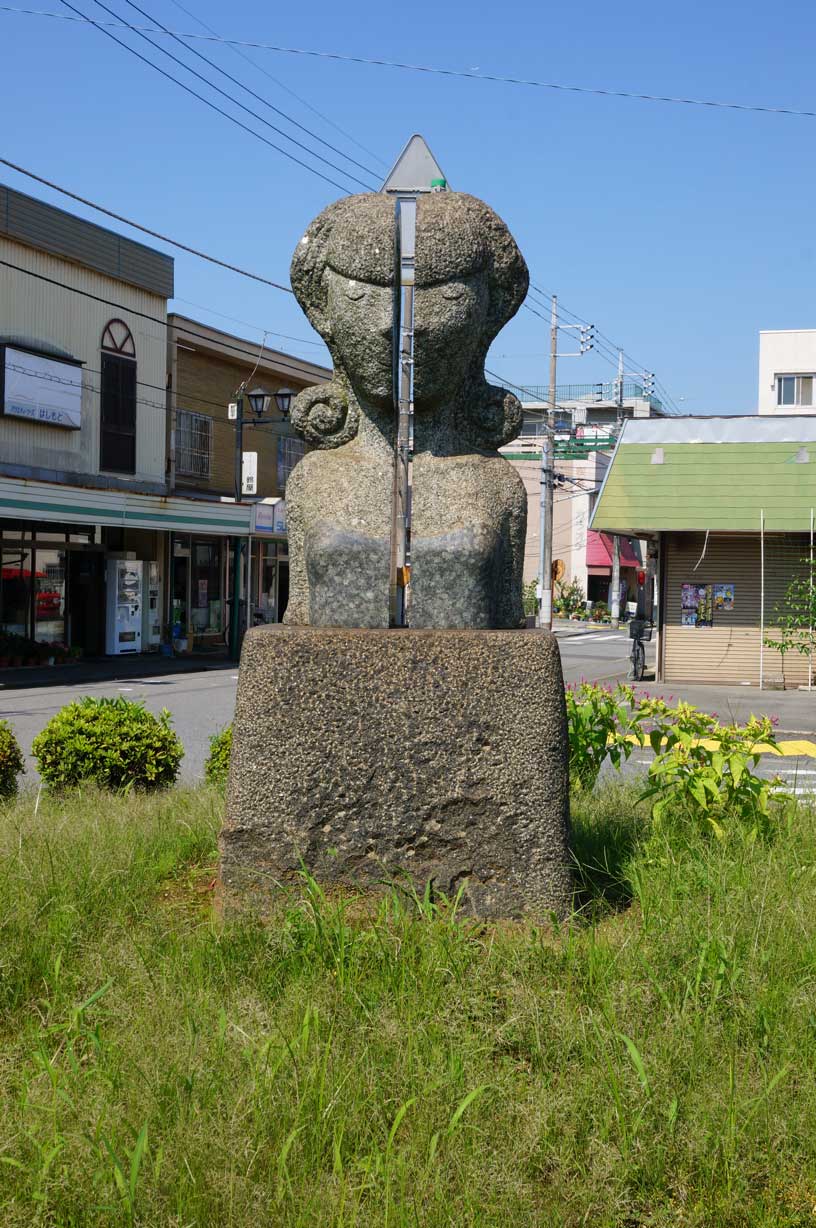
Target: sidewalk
[795,710]
[108,669]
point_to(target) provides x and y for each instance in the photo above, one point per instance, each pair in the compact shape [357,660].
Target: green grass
[651,1063]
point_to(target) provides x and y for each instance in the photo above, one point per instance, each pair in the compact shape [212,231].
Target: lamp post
[259,401]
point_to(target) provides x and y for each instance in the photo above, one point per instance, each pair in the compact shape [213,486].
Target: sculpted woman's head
[470,280]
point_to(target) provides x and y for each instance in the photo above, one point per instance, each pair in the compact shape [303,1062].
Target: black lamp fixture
[283,398]
[259,400]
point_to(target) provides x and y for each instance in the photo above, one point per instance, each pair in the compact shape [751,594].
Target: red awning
[599,551]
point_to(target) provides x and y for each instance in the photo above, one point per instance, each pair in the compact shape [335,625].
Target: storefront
[112,571]
[729,505]
[269,569]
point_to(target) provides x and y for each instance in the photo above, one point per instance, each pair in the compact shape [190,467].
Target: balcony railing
[588,394]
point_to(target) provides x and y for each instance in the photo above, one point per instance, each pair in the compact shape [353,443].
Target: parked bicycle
[640,633]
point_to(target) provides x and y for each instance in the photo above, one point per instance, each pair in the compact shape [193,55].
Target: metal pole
[547,484]
[761,595]
[239,446]
[810,637]
[405,238]
[615,603]
[235,617]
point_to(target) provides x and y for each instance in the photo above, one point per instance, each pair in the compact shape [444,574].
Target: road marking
[593,635]
[124,688]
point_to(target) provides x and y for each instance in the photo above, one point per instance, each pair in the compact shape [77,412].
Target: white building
[787,371]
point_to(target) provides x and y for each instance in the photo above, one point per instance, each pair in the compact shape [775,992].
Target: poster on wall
[723,597]
[697,605]
[41,389]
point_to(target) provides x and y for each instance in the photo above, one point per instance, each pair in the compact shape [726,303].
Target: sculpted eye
[355,289]
[453,289]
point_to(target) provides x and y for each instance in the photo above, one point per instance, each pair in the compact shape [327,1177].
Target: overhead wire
[144,315]
[282,85]
[154,234]
[463,74]
[207,102]
[242,85]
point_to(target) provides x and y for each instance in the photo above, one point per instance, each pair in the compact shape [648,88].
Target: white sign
[232,411]
[249,473]
[42,389]
[269,517]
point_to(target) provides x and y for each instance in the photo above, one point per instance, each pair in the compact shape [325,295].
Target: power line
[495,78]
[213,106]
[144,315]
[282,85]
[154,234]
[235,80]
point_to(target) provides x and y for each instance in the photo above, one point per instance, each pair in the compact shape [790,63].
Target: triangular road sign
[415,169]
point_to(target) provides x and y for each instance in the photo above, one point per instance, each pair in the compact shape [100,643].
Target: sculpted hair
[457,236]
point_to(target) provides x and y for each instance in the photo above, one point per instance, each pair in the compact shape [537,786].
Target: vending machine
[123,632]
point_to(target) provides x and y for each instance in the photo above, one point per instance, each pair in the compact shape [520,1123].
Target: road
[202,703]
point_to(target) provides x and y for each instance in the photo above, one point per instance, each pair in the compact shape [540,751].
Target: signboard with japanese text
[44,390]
[269,517]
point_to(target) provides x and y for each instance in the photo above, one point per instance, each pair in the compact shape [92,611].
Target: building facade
[728,506]
[114,515]
[588,419]
[787,372]
[206,367]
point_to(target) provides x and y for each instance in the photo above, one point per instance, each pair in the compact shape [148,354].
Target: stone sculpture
[436,752]
[469,505]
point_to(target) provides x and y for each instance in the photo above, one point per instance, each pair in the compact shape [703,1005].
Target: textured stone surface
[369,754]
[469,509]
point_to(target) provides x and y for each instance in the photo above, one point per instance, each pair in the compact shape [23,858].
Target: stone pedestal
[368,755]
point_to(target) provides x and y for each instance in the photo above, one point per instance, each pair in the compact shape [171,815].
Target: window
[794,390]
[118,415]
[290,450]
[193,444]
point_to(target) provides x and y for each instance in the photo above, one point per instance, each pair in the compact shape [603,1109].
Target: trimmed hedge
[11,760]
[115,742]
[216,767]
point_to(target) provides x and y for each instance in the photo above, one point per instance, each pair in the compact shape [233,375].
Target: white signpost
[416,171]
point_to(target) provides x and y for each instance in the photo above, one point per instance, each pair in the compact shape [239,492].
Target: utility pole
[615,604]
[547,484]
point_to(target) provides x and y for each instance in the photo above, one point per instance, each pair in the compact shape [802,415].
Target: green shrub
[11,760]
[115,742]
[217,765]
[529,597]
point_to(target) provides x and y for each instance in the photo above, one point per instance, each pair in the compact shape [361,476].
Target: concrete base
[369,755]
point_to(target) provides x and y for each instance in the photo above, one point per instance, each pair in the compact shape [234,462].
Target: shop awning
[599,553]
[26,500]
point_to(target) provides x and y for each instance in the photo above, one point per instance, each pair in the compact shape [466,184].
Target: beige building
[787,371]
[97,522]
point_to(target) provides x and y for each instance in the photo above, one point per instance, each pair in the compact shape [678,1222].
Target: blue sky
[680,231]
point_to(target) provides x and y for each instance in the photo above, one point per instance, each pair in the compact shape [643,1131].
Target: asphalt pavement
[201,698]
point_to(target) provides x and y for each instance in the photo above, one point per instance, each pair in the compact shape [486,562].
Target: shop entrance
[86,601]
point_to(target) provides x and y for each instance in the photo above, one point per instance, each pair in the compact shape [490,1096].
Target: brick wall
[205,384]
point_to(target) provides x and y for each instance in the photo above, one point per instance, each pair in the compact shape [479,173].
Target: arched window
[118,338]
[117,418]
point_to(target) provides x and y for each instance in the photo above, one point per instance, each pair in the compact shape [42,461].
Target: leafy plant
[115,742]
[795,617]
[529,598]
[704,769]
[601,722]
[569,597]
[216,767]
[11,760]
